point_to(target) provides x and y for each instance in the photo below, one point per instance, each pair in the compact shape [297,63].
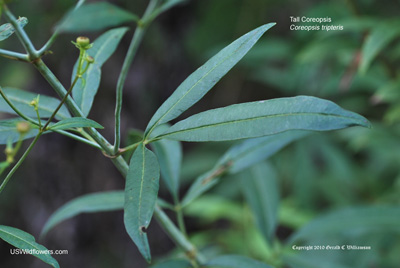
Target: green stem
[136,40]
[119,162]
[179,239]
[13,55]
[57,86]
[20,161]
[78,138]
[65,133]
[38,117]
[20,32]
[18,145]
[18,112]
[129,148]
[61,103]
[180,219]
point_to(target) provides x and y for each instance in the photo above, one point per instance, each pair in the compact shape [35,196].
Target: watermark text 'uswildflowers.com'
[18,251]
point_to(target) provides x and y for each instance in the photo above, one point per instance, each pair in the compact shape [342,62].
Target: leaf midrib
[141,188]
[251,119]
[22,239]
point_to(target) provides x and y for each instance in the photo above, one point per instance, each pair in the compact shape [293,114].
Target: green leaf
[388,92]
[169,154]
[252,151]
[8,131]
[261,118]
[164,7]
[211,208]
[239,157]
[204,78]
[102,49]
[94,17]
[235,261]
[202,184]
[25,241]
[6,30]
[21,99]
[377,40]
[171,3]
[141,191]
[360,220]
[261,190]
[173,264]
[75,122]
[90,203]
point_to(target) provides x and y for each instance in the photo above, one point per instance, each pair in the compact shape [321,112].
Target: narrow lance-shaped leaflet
[203,79]
[141,189]
[262,118]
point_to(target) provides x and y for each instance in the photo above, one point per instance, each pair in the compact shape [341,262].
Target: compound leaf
[204,78]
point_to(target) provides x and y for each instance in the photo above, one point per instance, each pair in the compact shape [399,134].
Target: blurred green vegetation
[352,169]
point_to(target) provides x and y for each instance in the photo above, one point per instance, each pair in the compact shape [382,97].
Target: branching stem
[176,235]
[136,40]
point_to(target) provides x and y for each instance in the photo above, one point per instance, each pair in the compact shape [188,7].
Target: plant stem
[179,239]
[65,133]
[57,86]
[180,219]
[18,112]
[61,103]
[130,147]
[13,55]
[78,138]
[20,161]
[136,40]
[119,162]
[20,32]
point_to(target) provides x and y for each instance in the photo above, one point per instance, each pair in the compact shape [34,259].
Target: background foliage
[344,184]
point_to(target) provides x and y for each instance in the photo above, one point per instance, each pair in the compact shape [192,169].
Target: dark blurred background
[324,172]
